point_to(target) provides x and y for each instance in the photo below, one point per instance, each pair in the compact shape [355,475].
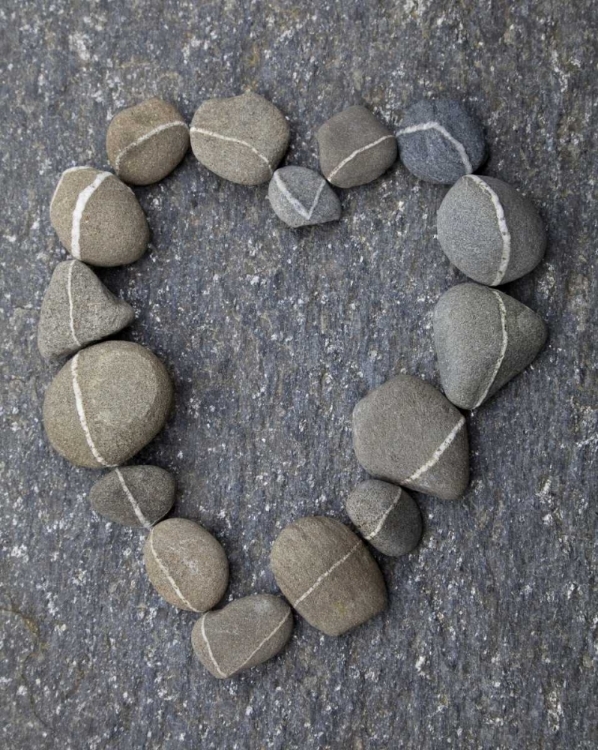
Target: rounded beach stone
[186,564]
[483,338]
[492,233]
[328,574]
[440,141]
[77,309]
[245,633]
[107,403]
[355,148]
[134,495]
[241,138]
[98,218]
[147,141]
[406,432]
[301,197]
[386,516]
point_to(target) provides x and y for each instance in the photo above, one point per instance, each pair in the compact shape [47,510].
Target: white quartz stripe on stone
[69,291]
[457,145]
[131,498]
[437,455]
[166,574]
[325,575]
[238,141]
[295,203]
[503,346]
[81,412]
[355,153]
[210,652]
[384,516]
[146,137]
[82,201]
[62,176]
[502,228]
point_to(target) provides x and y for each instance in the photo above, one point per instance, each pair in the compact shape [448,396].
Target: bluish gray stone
[491,232]
[300,197]
[440,141]
[483,338]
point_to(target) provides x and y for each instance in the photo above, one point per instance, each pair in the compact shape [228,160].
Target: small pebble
[386,516]
[242,138]
[355,148]
[440,141]
[301,197]
[406,432]
[78,309]
[134,495]
[483,338]
[107,403]
[97,218]
[147,141]
[186,564]
[328,574]
[492,233]
[245,633]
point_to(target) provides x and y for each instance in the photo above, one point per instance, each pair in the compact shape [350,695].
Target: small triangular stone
[483,338]
[78,309]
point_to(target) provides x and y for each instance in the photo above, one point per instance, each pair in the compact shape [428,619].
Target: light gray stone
[245,633]
[301,197]
[134,495]
[327,574]
[107,403]
[186,564]
[491,232]
[78,309]
[355,148]
[483,338]
[406,432]
[386,516]
[440,141]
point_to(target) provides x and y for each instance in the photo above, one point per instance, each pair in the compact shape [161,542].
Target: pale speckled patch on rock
[386,516]
[186,564]
[98,218]
[147,141]
[490,231]
[327,574]
[240,138]
[355,148]
[107,403]
[78,309]
[483,339]
[440,141]
[245,633]
[406,432]
[134,495]
[301,197]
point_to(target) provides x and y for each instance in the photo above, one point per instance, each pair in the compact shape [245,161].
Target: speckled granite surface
[271,336]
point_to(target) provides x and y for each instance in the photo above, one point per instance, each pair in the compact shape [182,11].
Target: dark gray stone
[355,148]
[440,141]
[492,233]
[386,516]
[406,432]
[327,574]
[245,633]
[271,337]
[134,495]
[301,197]
[241,138]
[483,338]
[77,310]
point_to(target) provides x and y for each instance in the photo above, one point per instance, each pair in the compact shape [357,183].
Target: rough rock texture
[272,336]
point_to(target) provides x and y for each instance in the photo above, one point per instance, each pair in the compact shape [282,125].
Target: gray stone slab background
[271,336]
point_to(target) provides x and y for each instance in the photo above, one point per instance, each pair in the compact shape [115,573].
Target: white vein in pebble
[325,575]
[457,145]
[296,203]
[261,645]
[82,201]
[66,171]
[230,139]
[146,137]
[167,575]
[81,412]
[384,516]
[69,291]
[502,227]
[210,652]
[131,498]
[355,153]
[436,456]
[503,346]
